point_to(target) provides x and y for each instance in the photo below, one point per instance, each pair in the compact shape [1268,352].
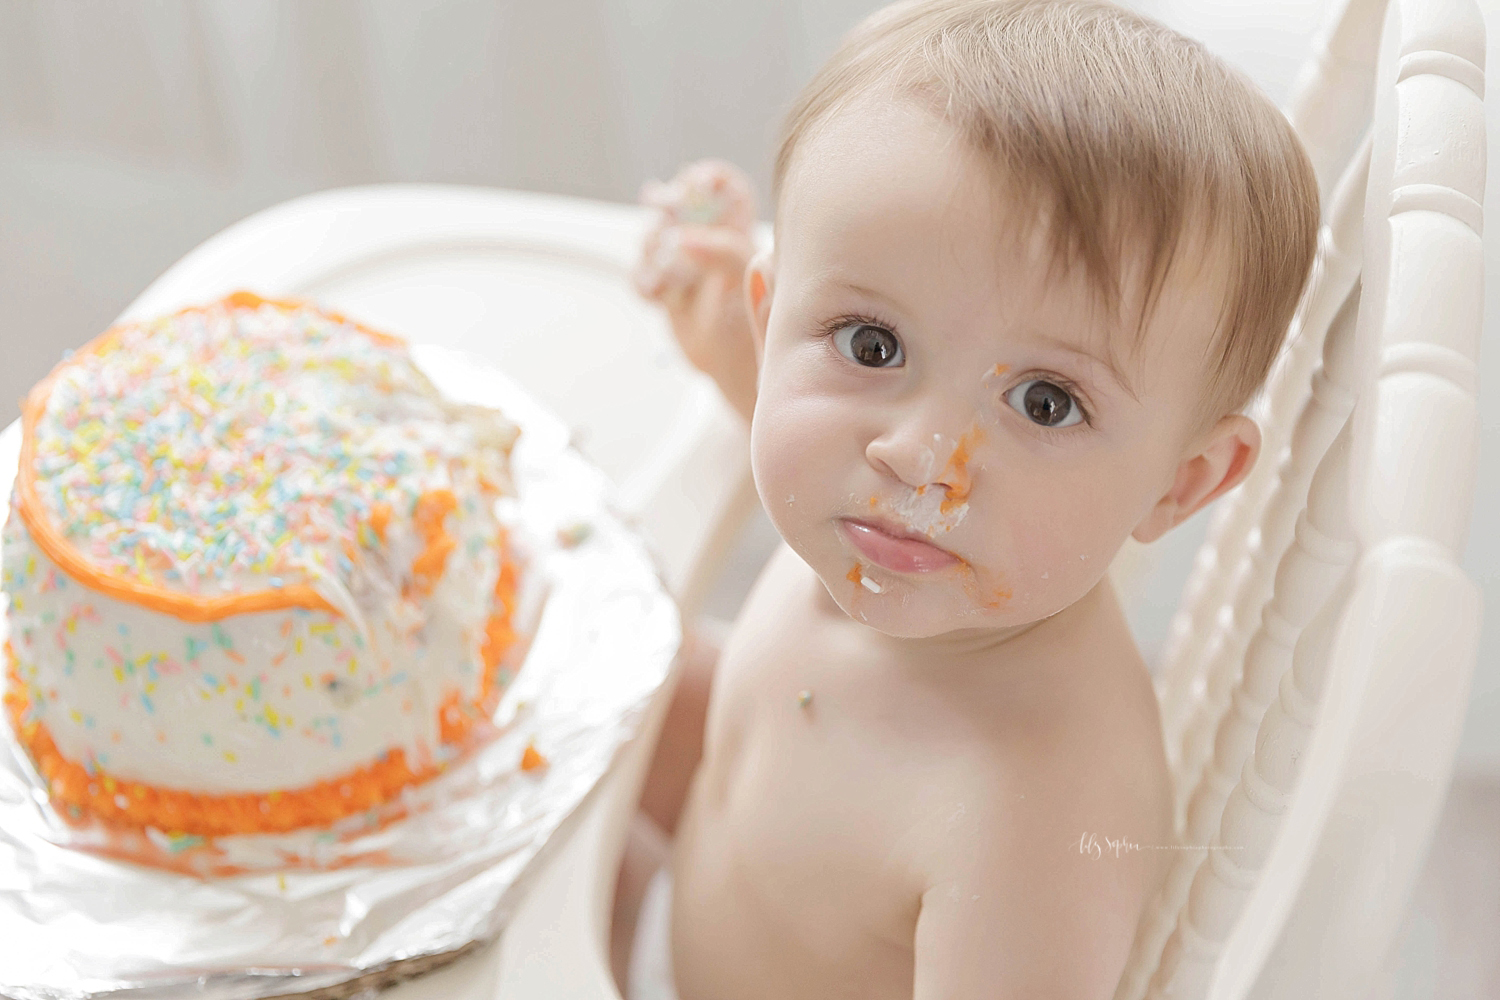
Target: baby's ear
[760,279]
[1218,463]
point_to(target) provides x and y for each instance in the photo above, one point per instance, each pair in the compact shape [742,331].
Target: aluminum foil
[320,908]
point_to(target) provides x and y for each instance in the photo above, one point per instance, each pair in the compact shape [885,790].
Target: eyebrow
[872,293]
[1104,363]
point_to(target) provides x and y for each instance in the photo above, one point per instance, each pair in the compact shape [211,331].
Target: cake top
[248,447]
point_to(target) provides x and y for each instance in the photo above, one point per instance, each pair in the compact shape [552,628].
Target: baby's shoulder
[1064,837]
[1072,800]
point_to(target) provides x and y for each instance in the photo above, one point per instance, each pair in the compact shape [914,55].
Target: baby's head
[1032,259]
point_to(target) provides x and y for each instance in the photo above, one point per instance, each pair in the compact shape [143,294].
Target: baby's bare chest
[819,795]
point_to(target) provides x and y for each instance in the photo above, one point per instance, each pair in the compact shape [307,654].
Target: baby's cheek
[1060,545]
[793,464]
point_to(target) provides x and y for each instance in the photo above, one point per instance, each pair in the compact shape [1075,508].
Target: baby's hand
[693,263]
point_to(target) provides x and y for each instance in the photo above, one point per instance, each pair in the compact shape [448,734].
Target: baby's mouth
[894,549]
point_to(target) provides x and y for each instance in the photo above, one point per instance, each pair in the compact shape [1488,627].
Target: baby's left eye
[1045,403]
[869,345]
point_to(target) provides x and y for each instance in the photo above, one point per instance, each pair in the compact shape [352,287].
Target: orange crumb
[380,519]
[455,720]
[531,760]
[499,637]
[958,489]
[431,509]
[998,594]
[854,575]
[757,288]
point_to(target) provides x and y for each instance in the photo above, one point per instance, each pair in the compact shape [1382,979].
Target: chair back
[1315,682]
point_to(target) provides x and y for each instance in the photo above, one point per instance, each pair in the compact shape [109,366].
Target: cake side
[256,580]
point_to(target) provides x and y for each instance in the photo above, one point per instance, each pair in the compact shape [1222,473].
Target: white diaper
[650,975]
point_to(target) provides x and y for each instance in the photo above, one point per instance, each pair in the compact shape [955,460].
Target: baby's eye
[868,345]
[1045,403]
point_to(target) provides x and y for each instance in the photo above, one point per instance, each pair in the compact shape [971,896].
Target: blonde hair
[1132,136]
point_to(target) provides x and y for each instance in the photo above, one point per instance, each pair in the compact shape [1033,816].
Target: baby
[1032,258]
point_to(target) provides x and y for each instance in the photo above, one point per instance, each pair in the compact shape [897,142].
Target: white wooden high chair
[1314,689]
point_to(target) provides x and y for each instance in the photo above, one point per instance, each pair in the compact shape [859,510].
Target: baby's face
[938,431]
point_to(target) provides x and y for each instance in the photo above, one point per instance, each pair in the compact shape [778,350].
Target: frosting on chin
[291,467]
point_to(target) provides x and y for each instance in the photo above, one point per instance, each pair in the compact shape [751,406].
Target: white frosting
[921,510]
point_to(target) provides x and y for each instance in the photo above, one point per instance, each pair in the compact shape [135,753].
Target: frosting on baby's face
[963,448]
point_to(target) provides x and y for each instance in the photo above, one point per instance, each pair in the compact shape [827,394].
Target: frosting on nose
[927,510]
[931,464]
[941,503]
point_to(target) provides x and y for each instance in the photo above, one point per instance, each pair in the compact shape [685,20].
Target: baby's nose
[919,458]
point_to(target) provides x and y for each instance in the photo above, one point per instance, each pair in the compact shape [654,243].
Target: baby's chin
[918,606]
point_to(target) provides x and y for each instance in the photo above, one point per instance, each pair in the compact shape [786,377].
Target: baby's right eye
[869,345]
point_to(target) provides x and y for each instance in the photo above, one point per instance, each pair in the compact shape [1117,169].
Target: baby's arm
[1015,910]
[680,745]
[694,262]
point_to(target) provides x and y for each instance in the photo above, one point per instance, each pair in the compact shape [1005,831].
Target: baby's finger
[665,265]
[666,197]
[729,186]
[677,300]
[716,247]
[646,279]
[646,276]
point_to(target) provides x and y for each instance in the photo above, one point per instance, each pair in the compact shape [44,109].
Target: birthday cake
[256,581]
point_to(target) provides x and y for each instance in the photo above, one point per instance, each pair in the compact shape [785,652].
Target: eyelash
[831,327]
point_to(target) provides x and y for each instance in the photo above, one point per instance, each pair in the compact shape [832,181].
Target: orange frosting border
[51,540]
[134,804]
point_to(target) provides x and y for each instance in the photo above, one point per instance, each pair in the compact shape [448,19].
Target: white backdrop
[131,130]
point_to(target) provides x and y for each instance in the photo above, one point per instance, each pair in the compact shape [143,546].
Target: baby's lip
[895,548]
